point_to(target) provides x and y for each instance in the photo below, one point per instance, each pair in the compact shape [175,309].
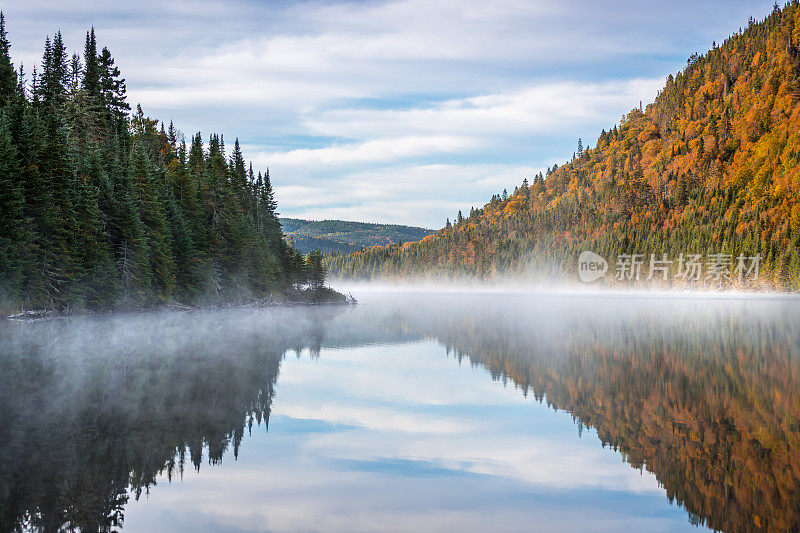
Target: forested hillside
[345,236]
[101,208]
[710,167]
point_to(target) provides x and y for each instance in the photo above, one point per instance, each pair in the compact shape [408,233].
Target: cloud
[328,90]
[385,150]
[396,194]
[541,108]
[392,170]
[390,420]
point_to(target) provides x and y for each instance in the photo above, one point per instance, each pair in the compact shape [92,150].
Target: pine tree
[91,71]
[270,225]
[9,89]
[55,73]
[316,270]
[151,212]
[54,220]
[11,219]
[101,209]
[238,173]
[112,90]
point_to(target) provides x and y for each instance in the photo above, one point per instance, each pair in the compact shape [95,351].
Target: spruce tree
[112,90]
[91,71]
[8,76]
[11,219]
[55,73]
[101,209]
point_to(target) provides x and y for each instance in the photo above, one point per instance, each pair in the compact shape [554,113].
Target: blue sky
[397,111]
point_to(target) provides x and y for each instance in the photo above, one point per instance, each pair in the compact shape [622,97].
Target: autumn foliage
[710,167]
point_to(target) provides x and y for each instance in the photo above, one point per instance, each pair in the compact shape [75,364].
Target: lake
[426,411]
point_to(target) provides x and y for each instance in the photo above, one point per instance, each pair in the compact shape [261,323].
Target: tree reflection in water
[94,410]
[703,393]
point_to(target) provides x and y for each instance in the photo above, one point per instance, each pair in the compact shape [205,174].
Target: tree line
[101,207]
[710,167]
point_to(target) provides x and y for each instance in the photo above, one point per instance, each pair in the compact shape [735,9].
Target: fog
[513,284]
[95,410]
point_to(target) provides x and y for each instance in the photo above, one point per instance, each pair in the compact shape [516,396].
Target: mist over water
[422,410]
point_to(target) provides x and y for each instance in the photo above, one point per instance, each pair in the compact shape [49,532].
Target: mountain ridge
[331,235]
[710,167]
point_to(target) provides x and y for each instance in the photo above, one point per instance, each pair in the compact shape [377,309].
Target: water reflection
[702,393]
[705,394]
[94,410]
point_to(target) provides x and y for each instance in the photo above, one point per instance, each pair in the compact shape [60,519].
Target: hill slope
[711,167]
[343,236]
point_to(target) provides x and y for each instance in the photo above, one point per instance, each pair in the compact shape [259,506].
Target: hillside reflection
[703,393]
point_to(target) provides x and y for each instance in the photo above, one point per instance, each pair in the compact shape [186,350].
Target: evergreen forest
[103,207]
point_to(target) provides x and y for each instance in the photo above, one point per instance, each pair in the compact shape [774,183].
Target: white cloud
[390,420]
[327,90]
[390,173]
[398,194]
[542,108]
[378,150]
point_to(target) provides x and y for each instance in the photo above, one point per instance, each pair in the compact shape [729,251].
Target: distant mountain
[344,236]
[710,171]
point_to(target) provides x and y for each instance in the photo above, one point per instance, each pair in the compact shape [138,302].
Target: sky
[399,111]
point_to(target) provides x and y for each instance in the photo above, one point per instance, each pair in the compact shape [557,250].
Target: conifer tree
[112,89]
[55,73]
[101,209]
[8,76]
[11,219]
[91,71]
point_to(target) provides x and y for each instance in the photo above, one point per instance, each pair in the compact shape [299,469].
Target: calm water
[426,412]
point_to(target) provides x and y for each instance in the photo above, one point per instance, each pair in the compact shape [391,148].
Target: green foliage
[316,272]
[11,218]
[102,209]
[8,76]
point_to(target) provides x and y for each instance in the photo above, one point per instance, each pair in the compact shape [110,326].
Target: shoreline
[323,296]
